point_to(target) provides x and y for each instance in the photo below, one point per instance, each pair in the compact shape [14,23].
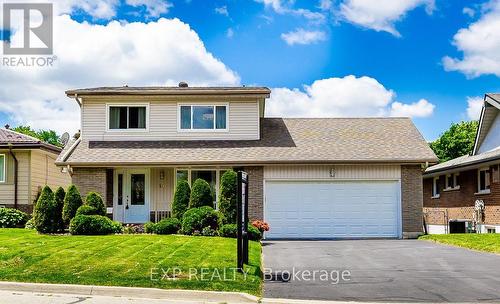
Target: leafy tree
[457,141]
[45,213]
[93,199]
[59,199]
[201,194]
[227,197]
[181,199]
[48,136]
[72,201]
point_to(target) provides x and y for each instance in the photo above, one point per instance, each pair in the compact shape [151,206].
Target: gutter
[16,174]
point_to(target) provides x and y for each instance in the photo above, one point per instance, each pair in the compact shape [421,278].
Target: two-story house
[463,194]
[308,178]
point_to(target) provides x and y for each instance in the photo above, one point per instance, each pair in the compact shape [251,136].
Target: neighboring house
[452,188]
[26,165]
[309,178]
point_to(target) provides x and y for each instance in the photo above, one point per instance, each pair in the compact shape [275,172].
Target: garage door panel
[332,209]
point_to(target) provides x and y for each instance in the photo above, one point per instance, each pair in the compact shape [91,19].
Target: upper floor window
[2,168]
[452,181]
[127,117]
[483,180]
[435,187]
[203,117]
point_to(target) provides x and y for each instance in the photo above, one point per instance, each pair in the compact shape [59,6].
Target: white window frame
[217,178]
[435,185]
[487,183]
[109,105]
[455,185]
[216,104]
[4,169]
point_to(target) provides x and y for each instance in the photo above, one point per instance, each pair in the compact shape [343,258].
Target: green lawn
[483,242]
[127,260]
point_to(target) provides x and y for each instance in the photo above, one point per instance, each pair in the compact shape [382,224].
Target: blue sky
[409,62]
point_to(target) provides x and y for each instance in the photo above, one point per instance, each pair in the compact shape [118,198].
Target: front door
[131,195]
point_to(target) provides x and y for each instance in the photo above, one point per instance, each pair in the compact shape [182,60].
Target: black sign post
[242,220]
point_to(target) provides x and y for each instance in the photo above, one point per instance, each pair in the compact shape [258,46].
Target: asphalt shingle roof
[463,161]
[388,140]
[21,140]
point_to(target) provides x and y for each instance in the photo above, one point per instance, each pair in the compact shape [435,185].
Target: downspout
[15,174]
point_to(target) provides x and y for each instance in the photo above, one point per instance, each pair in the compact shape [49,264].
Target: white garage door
[342,209]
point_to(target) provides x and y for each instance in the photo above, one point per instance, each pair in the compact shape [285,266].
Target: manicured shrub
[59,198]
[181,199]
[228,230]
[167,226]
[196,219]
[72,201]
[86,210]
[253,233]
[227,198]
[93,199]
[201,195]
[231,231]
[149,227]
[94,225]
[207,231]
[45,213]
[12,218]
[30,224]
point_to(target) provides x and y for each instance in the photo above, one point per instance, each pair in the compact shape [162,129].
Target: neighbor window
[483,180]
[211,117]
[452,181]
[435,187]
[2,168]
[125,117]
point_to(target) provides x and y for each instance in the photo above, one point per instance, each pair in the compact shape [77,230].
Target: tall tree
[48,136]
[457,141]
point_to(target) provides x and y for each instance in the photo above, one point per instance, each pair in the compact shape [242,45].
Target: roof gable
[489,117]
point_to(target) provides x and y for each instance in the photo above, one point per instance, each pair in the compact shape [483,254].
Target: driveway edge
[133,292]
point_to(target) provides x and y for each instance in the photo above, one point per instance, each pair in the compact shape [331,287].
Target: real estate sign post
[242,220]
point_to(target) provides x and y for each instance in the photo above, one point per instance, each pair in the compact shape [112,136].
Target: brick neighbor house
[463,194]
[308,178]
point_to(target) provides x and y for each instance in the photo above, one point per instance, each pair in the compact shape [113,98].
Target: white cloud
[325,5]
[380,15]
[474,107]
[222,11]
[163,52]
[480,45]
[468,11]
[285,8]
[301,36]
[422,108]
[154,8]
[229,33]
[349,96]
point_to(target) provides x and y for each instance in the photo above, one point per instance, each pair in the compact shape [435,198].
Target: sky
[429,60]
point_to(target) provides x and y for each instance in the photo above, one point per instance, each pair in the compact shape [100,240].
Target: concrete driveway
[381,270]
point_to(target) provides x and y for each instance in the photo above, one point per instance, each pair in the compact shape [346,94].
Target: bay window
[203,117]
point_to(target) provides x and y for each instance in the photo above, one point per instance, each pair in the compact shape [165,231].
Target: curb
[132,292]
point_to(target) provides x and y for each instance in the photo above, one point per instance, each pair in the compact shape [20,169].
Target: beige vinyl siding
[45,172]
[162,191]
[7,188]
[340,172]
[243,121]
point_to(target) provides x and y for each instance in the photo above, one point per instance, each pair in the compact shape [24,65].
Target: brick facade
[255,192]
[90,179]
[411,200]
[459,204]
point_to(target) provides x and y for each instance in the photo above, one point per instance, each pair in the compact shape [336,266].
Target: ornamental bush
[201,194]
[86,210]
[59,198]
[195,219]
[72,201]
[167,226]
[227,198]
[93,199]
[181,199]
[94,225]
[231,231]
[253,233]
[12,218]
[45,214]
[149,227]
